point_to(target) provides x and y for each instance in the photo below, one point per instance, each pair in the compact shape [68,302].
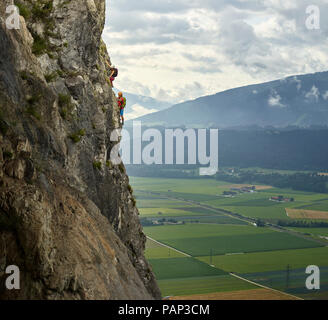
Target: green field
[157,251]
[218,219]
[176,211]
[314,231]
[268,171]
[193,196]
[200,231]
[270,261]
[238,243]
[203,186]
[266,213]
[199,240]
[166,212]
[190,286]
[160,203]
[178,275]
[294,283]
[319,205]
[174,268]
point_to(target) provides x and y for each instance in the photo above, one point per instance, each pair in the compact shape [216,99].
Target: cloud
[124,83]
[189,91]
[138,111]
[325,95]
[203,63]
[298,83]
[275,100]
[165,46]
[313,94]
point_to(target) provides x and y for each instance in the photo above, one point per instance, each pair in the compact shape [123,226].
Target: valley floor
[197,238]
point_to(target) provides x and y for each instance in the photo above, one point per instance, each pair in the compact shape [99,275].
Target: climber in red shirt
[121,102]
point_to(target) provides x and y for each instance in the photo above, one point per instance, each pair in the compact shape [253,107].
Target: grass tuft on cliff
[97,165]
[50,77]
[77,136]
[31,106]
[24,10]
[40,45]
[66,106]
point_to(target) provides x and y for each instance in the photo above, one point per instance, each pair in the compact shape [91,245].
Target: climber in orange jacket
[121,102]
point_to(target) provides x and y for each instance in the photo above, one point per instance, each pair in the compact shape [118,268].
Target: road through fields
[251,221]
[264,287]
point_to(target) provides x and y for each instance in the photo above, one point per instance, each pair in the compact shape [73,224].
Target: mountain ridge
[256,104]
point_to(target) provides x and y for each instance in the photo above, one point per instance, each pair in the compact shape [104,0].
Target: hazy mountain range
[294,101]
[138,105]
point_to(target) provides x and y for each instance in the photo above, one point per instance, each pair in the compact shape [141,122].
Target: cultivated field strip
[264,287]
[164,245]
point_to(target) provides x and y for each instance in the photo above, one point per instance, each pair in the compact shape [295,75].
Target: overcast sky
[177,50]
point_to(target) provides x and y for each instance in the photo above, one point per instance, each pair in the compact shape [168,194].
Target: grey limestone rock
[67,217]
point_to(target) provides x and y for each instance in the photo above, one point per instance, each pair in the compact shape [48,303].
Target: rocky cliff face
[68,218]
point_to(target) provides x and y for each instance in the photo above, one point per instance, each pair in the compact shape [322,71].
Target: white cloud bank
[313,94]
[325,95]
[137,111]
[275,100]
[183,49]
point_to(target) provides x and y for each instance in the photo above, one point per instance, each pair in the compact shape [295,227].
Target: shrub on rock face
[130,189]
[121,167]
[39,45]
[32,102]
[64,99]
[24,11]
[77,136]
[42,9]
[50,77]
[66,106]
[33,112]
[7,154]
[97,165]
[34,99]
